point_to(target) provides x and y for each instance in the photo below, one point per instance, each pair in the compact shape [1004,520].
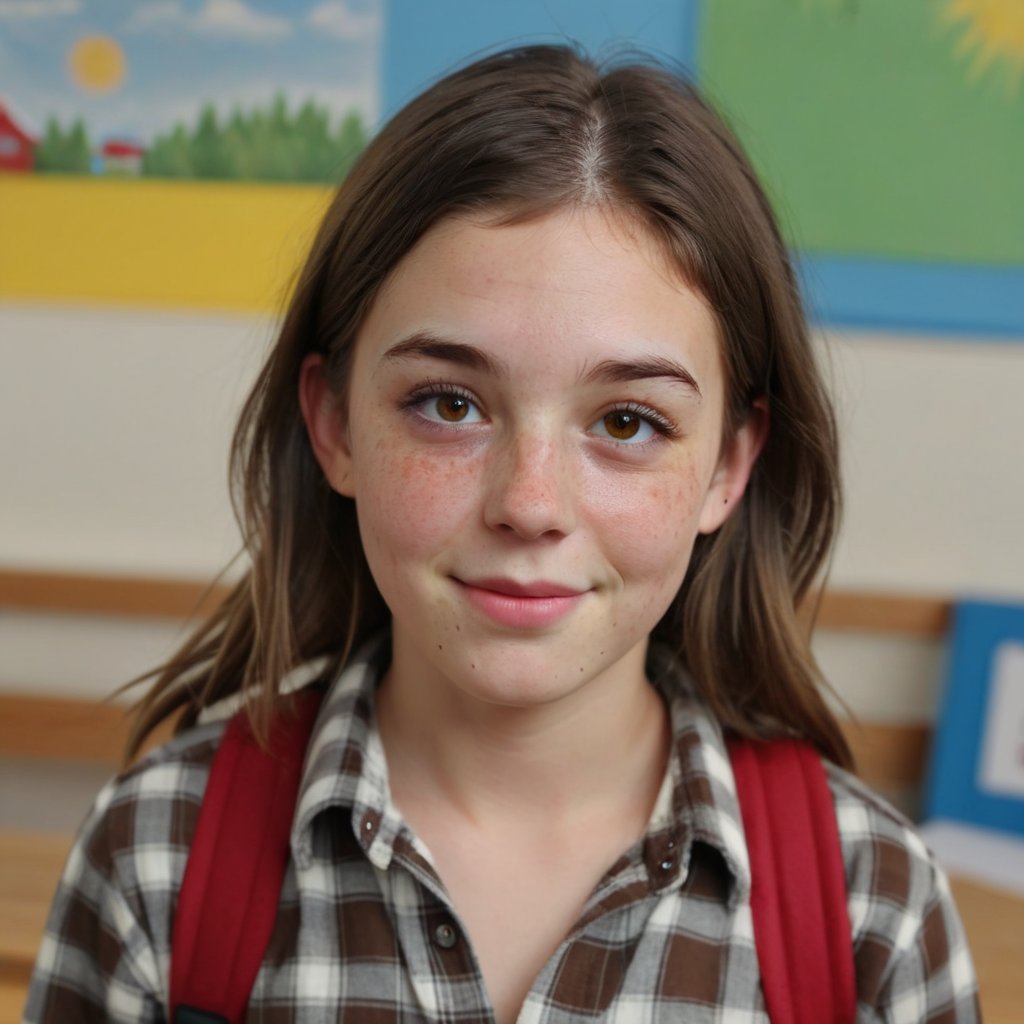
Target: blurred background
[162,168]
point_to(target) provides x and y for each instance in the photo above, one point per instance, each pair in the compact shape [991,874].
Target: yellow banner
[198,245]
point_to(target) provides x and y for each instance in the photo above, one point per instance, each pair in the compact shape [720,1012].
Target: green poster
[885,128]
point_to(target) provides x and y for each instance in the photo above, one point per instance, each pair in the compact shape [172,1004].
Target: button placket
[662,858]
[668,860]
[445,935]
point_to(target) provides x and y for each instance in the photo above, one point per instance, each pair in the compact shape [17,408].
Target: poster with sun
[178,152]
[175,152]
[892,137]
[890,132]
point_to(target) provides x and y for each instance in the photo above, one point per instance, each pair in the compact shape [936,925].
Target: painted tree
[64,152]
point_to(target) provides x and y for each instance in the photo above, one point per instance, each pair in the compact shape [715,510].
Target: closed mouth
[534,588]
[511,604]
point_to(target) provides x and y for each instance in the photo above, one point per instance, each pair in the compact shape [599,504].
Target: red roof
[8,126]
[119,147]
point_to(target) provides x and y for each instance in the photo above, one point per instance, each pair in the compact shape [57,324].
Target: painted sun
[97,63]
[991,34]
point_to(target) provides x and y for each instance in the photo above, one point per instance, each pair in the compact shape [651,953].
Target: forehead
[569,287]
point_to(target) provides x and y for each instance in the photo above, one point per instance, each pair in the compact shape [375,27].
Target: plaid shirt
[366,932]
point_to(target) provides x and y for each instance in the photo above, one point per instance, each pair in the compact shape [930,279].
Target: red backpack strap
[236,864]
[798,887]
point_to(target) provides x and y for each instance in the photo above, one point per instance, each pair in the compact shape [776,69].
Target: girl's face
[533,438]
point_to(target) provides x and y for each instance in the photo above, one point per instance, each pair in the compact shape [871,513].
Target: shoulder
[153,805]
[885,857]
[132,848]
[135,841]
[907,937]
[107,942]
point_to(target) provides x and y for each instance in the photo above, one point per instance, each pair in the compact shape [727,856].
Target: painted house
[121,156]
[17,147]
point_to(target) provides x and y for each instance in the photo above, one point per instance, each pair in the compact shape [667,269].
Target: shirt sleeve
[912,962]
[96,961]
[933,980]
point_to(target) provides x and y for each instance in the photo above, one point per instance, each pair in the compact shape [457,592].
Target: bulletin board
[890,135]
[892,138]
[175,153]
[977,764]
[179,152]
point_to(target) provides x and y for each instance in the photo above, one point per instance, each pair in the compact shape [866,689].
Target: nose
[530,489]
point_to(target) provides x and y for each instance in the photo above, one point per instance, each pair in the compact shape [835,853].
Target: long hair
[516,135]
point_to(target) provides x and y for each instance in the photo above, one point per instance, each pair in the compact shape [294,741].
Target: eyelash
[437,389]
[661,425]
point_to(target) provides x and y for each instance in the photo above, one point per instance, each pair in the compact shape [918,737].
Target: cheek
[408,502]
[650,522]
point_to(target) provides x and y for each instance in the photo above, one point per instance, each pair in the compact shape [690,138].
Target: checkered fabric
[366,932]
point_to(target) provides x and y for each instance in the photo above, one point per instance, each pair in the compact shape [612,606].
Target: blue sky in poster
[178,54]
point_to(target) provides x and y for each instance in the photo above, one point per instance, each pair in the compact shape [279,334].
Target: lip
[531,605]
[536,588]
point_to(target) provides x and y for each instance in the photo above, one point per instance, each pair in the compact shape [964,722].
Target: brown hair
[518,134]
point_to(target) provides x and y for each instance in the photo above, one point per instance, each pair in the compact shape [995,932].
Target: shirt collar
[345,766]
[701,794]
[345,769]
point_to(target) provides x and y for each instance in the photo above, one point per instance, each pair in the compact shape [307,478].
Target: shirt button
[445,936]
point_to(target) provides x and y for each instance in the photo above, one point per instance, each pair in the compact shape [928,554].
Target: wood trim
[99,594]
[96,594]
[868,612]
[66,728]
[888,756]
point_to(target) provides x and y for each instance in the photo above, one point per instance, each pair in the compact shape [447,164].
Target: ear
[325,425]
[735,464]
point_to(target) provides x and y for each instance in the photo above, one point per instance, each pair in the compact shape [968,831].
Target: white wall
[114,430]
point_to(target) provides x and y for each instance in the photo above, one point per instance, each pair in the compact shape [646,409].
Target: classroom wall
[119,387]
[116,427]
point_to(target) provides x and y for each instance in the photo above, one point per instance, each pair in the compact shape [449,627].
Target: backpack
[236,865]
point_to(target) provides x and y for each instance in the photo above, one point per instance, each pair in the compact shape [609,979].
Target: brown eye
[622,425]
[633,427]
[452,408]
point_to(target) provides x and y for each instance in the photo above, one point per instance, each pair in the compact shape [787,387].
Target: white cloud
[158,14]
[235,18]
[232,18]
[26,9]
[337,18]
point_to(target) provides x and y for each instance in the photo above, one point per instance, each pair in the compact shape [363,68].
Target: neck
[587,754]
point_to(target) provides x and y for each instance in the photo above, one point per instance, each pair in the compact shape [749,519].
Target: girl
[533,484]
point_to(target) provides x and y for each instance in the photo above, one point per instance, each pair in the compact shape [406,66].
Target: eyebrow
[425,345]
[616,371]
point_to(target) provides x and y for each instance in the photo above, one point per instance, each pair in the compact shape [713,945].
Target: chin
[517,677]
